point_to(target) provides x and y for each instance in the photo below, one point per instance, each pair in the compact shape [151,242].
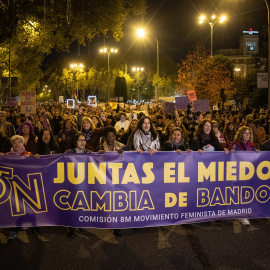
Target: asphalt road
[227,245]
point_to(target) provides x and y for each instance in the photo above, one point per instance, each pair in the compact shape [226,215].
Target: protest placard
[169,107]
[191,95]
[201,105]
[181,102]
[28,102]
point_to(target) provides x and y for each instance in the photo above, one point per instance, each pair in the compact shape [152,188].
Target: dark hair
[196,115]
[226,128]
[72,123]
[159,116]
[100,122]
[76,138]
[199,132]
[152,127]
[41,145]
[109,129]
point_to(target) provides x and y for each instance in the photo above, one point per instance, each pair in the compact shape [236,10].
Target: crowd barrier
[133,190]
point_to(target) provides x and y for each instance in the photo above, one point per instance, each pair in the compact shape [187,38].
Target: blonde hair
[239,134]
[89,120]
[15,138]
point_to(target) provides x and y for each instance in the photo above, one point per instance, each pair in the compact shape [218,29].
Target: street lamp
[75,68]
[138,70]
[141,34]
[108,52]
[212,22]
[236,70]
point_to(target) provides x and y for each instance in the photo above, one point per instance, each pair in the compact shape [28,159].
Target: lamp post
[138,70]
[212,22]
[75,68]
[108,52]
[141,34]
[236,70]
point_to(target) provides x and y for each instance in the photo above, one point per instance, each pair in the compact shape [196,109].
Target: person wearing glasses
[243,141]
[78,144]
[78,147]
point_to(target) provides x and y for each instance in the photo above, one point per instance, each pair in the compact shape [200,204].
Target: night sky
[175,25]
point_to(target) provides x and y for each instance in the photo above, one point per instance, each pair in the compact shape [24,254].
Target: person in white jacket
[123,123]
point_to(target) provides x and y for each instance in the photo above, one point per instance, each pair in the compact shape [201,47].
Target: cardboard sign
[12,101]
[70,103]
[61,99]
[92,100]
[191,95]
[113,105]
[169,107]
[201,105]
[28,102]
[181,102]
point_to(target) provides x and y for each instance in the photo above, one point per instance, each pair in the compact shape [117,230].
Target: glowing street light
[212,22]
[108,52]
[141,34]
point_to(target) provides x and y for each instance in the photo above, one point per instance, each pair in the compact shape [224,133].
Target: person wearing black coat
[46,145]
[176,142]
[205,139]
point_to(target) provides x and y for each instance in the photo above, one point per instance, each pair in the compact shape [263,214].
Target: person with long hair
[145,137]
[78,144]
[66,135]
[133,124]
[244,142]
[223,140]
[97,121]
[166,134]
[178,122]
[46,145]
[92,133]
[230,131]
[205,139]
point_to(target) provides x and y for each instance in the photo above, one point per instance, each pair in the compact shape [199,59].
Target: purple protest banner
[181,102]
[201,105]
[133,190]
[169,107]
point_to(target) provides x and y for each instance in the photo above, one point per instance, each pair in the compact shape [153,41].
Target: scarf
[177,145]
[205,137]
[79,151]
[246,146]
[16,153]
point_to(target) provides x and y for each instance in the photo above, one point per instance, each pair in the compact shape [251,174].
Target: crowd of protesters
[56,129]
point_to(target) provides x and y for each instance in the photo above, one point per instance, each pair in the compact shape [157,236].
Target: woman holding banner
[243,141]
[27,131]
[205,139]
[145,137]
[176,142]
[110,145]
[17,149]
[46,145]
[92,133]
